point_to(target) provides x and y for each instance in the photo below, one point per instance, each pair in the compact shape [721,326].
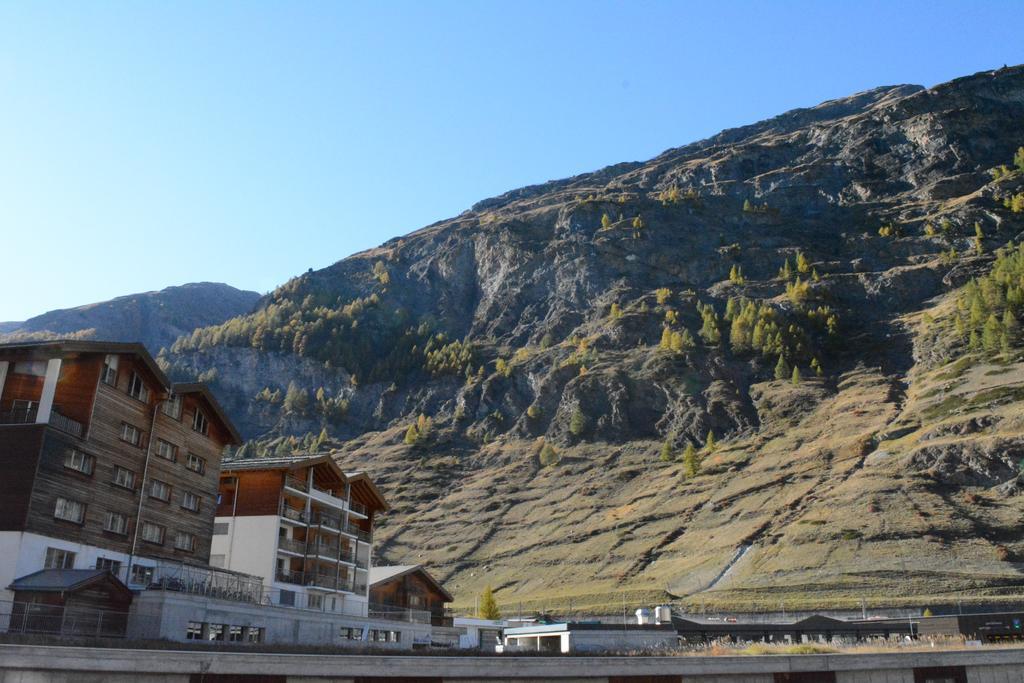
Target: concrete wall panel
[995,674]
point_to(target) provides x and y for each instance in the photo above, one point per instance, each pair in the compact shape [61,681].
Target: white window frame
[162,445]
[131,434]
[199,423]
[190,539]
[67,508]
[66,558]
[200,467]
[172,407]
[124,477]
[150,525]
[109,373]
[79,461]
[190,501]
[137,388]
[116,523]
[153,487]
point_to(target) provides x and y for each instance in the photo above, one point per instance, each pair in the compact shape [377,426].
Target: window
[216,632]
[349,633]
[195,463]
[36,368]
[199,422]
[221,528]
[141,574]
[185,541]
[137,389]
[166,450]
[160,490]
[315,600]
[153,533]
[172,407]
[69,510]
[131,434]
[59,559]
[190,501]
[235,634]
[109,374]
[254,634]
[79,461]
[194,631]
[116,523]
[124,477]
[24,411]
[396,637]
[112,566]
[287,598]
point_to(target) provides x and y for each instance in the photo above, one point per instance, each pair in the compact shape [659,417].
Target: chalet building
[409,587]
[107,464]
[301,523]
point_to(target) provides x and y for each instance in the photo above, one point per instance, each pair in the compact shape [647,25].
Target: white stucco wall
[250,546]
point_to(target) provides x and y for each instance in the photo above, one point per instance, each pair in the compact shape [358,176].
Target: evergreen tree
[662,294]
[747,206]
[979,235]
[615,312]
[782,370]
[796,375]
[605,221]
[666,451]
[991,334]
[577,422]
[801,263]
[709,442]
[488,605]
[548,455]
[666,339]
[691,461]
[296,400]
[638,226]
[1018,159]
[816,366]
[412,437]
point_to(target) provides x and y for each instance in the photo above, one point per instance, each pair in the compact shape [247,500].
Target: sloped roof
[66,581]
[297,460]
[204,391]
[381,574]
[57,347]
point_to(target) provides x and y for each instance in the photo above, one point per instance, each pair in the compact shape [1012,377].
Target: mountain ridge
[613,382]
[156,318]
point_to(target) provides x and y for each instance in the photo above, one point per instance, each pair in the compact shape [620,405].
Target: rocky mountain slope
[154,318]
[534,382]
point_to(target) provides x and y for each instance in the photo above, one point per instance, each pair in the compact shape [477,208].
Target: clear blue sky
[149,144]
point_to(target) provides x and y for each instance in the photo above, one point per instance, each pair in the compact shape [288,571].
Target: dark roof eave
[202,389]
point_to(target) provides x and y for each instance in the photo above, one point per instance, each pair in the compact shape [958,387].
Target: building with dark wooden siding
[409,587]
[107,464]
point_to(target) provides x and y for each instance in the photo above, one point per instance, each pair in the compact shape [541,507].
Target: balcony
[179,577]
[292,514]
[326,581]
[289,577]
[326,519]
[57,420]
[292,545]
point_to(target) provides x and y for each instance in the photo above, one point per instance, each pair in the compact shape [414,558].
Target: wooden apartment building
[106,463]
[303,524]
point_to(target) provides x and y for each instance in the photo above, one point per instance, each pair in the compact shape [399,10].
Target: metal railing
[413,616]
[288,512]
[289,577]
[70,620]
[66,424]
[357,507]
[292,545]
[291,481]
[21,416]
[57,420]
[186,578]
[326,519]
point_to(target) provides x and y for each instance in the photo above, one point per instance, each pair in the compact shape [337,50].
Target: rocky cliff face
[154,318]
[561,337]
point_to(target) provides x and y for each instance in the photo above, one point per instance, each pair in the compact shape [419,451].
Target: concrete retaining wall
[47,664]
